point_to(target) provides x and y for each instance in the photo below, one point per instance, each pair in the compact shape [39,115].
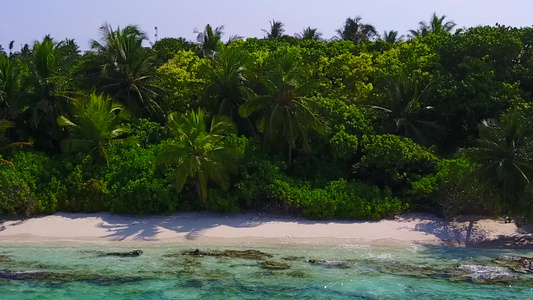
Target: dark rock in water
[273,265]
[64,277]
[194,283]
[402,269]
[244,254]
[133,253]
[518,264]
[297,274]
[331,263]
[486,274]
[5,258]
[292,258]
[28,275]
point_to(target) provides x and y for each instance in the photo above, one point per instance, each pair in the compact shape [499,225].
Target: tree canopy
[361,125]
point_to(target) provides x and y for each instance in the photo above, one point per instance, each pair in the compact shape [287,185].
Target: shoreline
[257,229]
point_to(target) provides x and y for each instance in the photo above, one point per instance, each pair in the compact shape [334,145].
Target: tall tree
[209,39]
[198,152]
[504,152]
[436,25]
[227,85]
[404,105]
[276,30]
[48,90]
[126,72]
[309,34]
[9,84]
[391,37]
[355,31]
[95,128]
[4,125]
[285,114]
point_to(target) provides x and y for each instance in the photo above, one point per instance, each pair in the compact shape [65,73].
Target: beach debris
[518,264]
[133,253]
[244,254]
[335,264]
[273,265]
[487,274]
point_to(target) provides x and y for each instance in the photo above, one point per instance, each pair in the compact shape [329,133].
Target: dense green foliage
[361,126]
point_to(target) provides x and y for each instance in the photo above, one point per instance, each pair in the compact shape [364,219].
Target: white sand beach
[258,229]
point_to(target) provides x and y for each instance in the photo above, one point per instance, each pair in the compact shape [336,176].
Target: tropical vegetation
[352,126]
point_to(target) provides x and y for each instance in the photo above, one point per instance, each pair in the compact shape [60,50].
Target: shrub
[450,191]
[31,182]
[14,191]
[393,161]
[147,132]
[221,201]
[134,186]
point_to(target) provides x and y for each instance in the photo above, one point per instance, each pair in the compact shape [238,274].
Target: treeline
[360,127]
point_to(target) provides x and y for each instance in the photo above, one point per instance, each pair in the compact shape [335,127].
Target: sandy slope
[246,229]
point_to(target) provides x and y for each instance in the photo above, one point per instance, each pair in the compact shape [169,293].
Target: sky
[26,21]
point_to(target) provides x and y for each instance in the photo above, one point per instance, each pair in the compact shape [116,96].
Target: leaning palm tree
[391,37]
[276,30]
[404,106]
[309,34]
[504,153]
[355,31]
[126,72]
[436,25]
[96,126]
[285,114]
[198,152]
[209,39]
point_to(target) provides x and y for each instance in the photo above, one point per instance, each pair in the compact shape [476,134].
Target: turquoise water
[164,272]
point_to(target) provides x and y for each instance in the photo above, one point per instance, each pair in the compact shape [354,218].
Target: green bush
[393,161]
[221,201]
[15,193]
[450,191]
[134,186]
[147,132]
[30,182]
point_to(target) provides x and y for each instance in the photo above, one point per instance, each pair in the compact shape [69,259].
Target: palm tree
[355,31]
[198,152]
[126,72]
[9,84]
[227,84]
[97,126]
[309,34]
[436,25]
[4,145]
[392,37]
[4,125]
[209,39]
[47,91]
[276,30]
[504,153]
[286,115]
[404,104]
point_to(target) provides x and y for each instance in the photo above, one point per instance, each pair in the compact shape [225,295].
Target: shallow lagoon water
[79,271]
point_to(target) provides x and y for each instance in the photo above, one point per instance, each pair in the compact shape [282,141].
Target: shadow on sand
[147,228]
